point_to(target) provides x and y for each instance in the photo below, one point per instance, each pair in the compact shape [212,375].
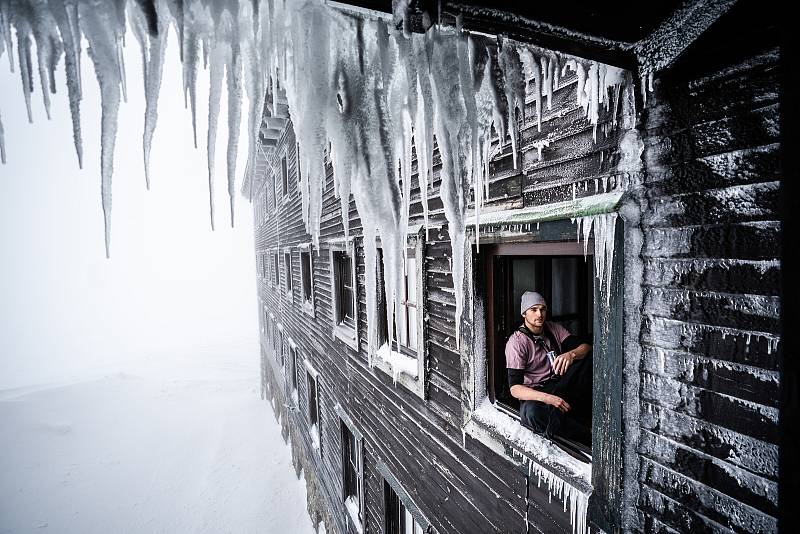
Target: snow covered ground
[180,445]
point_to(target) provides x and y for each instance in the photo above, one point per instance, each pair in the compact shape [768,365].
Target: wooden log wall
[708,450]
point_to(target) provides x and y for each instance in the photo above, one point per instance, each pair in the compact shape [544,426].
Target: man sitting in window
[550,372]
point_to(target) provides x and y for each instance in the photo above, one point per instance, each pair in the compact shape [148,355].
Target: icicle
[511,65]
[214,95]
[24,51]
[5,36]
[97,26]
[66,17]
[153,49]
[234,79]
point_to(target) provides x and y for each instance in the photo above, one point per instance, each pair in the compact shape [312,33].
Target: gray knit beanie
[530,298]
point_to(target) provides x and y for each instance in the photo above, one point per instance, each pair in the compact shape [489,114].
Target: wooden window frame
[307,304]
[276,270]
[342,331]
[313,412]
[348,430]
[417,385]
[604,483]
[287,266]
[391,488]
[284,164]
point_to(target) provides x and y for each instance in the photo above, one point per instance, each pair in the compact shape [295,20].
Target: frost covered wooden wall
[708,451]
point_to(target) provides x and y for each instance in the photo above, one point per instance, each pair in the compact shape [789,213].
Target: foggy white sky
[172,286]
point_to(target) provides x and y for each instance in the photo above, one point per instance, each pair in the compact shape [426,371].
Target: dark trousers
[575,387]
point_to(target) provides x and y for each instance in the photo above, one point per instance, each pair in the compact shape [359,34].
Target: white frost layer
[564,476]
[399,363]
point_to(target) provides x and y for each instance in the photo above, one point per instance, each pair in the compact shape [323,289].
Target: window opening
[285,175]
[313,409]
[561,274]
[293,356]
[404,339]
[353,474]
[343,288]
[306,276]
[279,346]
[276,270]
[287,263]
[398,519]
[274,190]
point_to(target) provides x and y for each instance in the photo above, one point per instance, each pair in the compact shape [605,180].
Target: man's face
[535,316]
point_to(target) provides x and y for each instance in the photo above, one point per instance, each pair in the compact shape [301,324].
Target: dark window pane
[285,175]
[287,263]
[305,266]
[394,510]
[343,280]
[294,368]
[313,414]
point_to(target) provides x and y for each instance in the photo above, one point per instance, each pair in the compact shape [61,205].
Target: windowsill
[351,506]
[499,431]
[401,367]
[308,308]
[346,335]
[289,294]
[314,431]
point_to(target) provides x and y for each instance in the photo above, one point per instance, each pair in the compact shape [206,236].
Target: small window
[401,338]
[565,278]
[353,475]
[398,519]
[276,280]
[285,175]
[313,408]
[344,293]
[279,346]
[307,279]
[287,266]
[405,338]
[273,179]
[343,288]
[293,357]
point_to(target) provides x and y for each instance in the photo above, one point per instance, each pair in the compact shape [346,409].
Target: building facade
[654,233]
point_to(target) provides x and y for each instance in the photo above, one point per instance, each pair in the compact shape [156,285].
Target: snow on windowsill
[346,335]
[398,364]
[308,307]
[489,422]
[314,431]
[351,505]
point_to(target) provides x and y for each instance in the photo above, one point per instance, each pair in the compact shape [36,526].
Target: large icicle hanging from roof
[100,24]
[153,48]
[307,81]
[66,16]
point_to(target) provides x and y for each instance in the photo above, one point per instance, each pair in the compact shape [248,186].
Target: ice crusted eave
[579,207]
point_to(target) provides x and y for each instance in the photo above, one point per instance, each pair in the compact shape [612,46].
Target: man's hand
[562,362]
[558,402]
